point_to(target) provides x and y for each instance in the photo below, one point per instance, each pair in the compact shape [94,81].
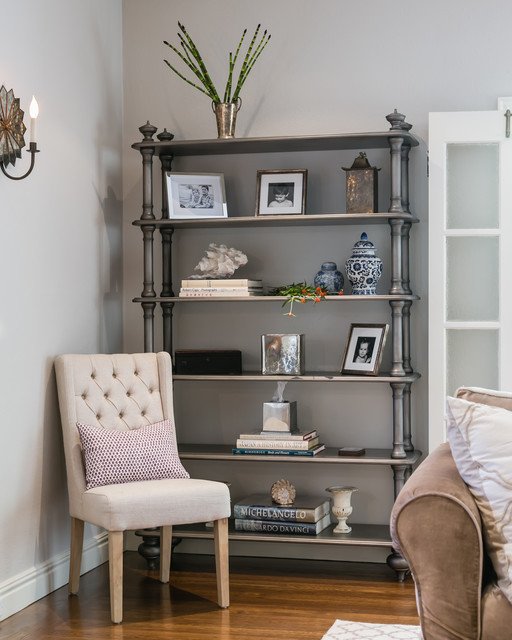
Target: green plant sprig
[210,89]
[194,61]
[232,62]
[250,61]
[298,292]
[202,66]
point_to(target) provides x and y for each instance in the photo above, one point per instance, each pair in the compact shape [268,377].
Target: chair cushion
[155,503]
[480,438]
[114,457]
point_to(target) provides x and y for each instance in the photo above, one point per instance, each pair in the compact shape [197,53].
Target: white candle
[34,112]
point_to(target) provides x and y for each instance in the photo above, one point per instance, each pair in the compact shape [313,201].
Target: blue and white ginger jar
[363,268]
[329,278]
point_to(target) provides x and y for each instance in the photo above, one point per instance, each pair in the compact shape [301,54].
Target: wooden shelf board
[279,221]
[281,144]
[314,376]
[362,535]
[329,455]
[264,298]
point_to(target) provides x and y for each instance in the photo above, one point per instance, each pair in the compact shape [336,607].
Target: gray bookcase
[401,455]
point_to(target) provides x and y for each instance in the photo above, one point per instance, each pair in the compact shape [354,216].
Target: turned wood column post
[406,336]
[408,445]
[406,285]
[396,175]
[147,151]
[399,150]
[397,285]
[405,174]
[398,420]
[166,233]
[397,307]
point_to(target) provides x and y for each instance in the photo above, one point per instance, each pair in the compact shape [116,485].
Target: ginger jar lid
[363,247]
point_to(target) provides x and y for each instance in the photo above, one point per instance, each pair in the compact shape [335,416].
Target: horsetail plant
[191,57]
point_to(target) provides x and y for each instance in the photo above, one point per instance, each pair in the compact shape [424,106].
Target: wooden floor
[270,600]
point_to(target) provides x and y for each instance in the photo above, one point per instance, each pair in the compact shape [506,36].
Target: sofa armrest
[435,524]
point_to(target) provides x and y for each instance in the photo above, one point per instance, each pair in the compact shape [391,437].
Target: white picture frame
[195,195]
[363,351]
[281,192]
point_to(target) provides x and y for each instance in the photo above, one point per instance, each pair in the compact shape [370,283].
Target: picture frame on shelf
[196,195]
[364,348]
[281,192]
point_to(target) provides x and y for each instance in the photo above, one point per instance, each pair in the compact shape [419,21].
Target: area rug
[345,630]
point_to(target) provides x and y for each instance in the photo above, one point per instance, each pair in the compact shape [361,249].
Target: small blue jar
[329,278]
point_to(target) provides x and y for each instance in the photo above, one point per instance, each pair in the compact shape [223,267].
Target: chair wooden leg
[75,554]
[115,560]
[220,532]
[165,553]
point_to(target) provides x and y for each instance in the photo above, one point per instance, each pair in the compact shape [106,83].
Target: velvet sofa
[436,525]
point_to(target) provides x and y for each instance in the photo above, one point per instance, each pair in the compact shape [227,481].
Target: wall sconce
[12,130]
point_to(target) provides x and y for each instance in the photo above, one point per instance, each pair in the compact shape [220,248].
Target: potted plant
[226,108]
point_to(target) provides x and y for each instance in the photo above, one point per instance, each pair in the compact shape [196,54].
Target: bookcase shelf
[329,455]
[281,144]
[317,376]
[401,457]
[341,299]
[310,219]
[362,535]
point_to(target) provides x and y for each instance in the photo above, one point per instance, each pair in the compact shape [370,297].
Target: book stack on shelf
[222,287]
[257,513]
[279,443]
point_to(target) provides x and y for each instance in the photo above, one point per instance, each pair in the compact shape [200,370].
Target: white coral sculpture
[219,262]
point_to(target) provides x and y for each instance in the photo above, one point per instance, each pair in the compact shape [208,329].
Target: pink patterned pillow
[115,457]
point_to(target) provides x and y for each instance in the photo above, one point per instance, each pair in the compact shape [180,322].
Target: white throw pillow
[480,438]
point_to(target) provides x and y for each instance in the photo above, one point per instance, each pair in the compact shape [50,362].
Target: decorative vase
[341,506]
[363,268]
[225,114]
[329,278]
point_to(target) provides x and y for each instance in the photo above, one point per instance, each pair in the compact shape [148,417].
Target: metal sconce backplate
[12,128]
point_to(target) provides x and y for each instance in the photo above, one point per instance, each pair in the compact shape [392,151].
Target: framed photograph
[281,192]
[363,352]
[196,195]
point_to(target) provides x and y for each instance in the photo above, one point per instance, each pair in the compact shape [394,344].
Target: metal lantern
[361,186]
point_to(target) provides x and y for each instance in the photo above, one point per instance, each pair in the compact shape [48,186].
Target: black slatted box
[208,362]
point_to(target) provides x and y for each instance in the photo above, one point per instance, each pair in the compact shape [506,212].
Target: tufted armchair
[125,392]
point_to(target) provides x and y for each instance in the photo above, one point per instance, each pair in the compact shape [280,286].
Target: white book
[277,444]
[221,282]
[279,435]
[227,289]
[218,294]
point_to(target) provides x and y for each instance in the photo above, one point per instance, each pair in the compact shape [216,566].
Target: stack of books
[308,516]
[223,287]
[279,443]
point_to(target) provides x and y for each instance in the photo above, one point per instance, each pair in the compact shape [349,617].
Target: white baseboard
[18,592]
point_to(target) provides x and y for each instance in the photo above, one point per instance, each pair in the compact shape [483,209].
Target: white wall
[330,67]
[61,279]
